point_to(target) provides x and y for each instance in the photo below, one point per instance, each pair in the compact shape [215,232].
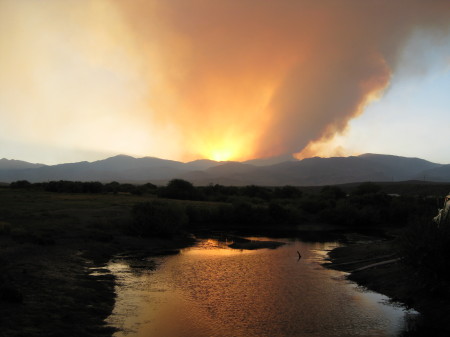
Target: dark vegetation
[231,207]
[65,222]
[53,251]
[180,207]
[425,247]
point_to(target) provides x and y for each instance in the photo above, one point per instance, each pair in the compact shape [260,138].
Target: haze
[225,80]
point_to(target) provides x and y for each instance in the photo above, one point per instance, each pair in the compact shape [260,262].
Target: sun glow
[235,144]
[221,155]
[222,151]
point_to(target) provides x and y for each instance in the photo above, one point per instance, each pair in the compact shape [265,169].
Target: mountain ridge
[314,171]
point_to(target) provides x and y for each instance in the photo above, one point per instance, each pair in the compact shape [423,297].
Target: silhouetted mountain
[399,167]
[201,164]
[440,173]
[307,172]
[319,171]
[270,161]
[11,164]
[229,168]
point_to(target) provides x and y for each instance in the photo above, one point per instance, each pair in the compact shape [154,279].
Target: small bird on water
[299,255]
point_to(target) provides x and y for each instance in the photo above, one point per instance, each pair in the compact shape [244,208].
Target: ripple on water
[211,290]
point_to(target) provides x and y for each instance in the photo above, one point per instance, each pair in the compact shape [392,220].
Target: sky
[224,79]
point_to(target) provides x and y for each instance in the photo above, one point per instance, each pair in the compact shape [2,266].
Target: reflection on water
[211,290]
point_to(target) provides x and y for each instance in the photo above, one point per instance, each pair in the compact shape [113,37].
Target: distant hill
[11,164]
[400,167]
[440,173]
[270,161]
[307,172]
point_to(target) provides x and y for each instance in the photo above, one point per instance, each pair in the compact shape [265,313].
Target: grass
[48,243]
[40,211]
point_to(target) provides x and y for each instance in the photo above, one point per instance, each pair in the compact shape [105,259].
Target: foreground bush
[425,247]
[5,228]
[157,218]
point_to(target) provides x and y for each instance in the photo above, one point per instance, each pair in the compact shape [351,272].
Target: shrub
[209,216]
[158,218]
[313,204]
[287,192]
[279,214]
[332,192]
[20,184]
[5,228]
[344,214]
[179,189]
[254,191]
[425,247]
[367,188]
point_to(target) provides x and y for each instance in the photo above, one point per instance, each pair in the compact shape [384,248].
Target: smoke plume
[240,79]
[270,77]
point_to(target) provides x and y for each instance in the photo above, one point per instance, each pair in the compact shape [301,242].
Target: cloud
[271,77]
[229,79]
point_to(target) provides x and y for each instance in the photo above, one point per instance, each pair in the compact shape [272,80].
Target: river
[210,290]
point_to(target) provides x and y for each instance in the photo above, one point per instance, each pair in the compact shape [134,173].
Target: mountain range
[307,172]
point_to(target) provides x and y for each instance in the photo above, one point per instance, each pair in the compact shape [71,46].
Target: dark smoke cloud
[321,61]
[233,79]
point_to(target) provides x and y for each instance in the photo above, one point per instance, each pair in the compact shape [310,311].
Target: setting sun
[233,145]
[221,155]
[223,150]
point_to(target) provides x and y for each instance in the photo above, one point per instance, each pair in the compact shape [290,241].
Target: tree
[179,189]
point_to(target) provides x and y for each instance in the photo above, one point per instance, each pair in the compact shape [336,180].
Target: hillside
[307,172]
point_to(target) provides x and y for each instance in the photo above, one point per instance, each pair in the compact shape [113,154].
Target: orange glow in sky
[184,80]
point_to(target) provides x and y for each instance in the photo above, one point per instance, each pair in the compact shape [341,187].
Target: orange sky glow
[178,79]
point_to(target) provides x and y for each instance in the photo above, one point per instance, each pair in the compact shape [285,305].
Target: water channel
[210,290]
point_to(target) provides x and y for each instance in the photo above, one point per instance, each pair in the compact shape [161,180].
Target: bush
[209,216]
[313,204]
[344,214]
[20,184]
[65,186]
[5,228]
[158,218]
[426,248]
[287,192]
[179,189]
[254,191]
[367,188]
[279,214]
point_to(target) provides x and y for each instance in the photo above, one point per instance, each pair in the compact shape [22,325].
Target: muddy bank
[64,289]
[53,253]
[375,264]
[242,243]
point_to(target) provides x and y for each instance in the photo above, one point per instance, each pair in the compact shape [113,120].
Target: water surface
[214,291]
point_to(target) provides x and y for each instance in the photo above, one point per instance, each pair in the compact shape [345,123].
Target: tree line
[366,205]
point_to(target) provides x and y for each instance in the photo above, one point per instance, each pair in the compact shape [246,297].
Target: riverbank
[53,253]
[54,248]
[375,265]
[64,289]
